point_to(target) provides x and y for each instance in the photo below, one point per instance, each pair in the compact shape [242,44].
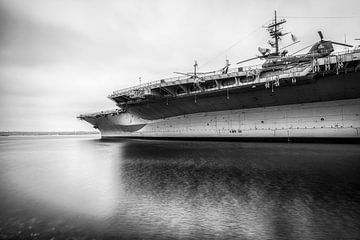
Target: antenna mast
[274,30]
[276,36]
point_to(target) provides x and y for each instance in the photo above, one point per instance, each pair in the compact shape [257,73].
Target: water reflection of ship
[227,191]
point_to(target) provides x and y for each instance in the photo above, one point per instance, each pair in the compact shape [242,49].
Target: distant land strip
[20,133]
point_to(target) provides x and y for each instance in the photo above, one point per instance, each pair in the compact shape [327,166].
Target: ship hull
[339,119]
[308,89]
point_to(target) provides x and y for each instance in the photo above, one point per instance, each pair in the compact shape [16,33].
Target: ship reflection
[60,177]
[135,189]
[235,190]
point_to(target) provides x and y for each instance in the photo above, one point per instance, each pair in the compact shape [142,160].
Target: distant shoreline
[20,133]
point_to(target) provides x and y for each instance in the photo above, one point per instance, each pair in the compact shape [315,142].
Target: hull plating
[331,119]
[328,88]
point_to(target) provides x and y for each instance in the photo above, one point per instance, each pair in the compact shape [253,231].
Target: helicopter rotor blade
[301,49]
[205,72]
[180,73]
[249,59]
[321,35]
[185,74]
[342,44]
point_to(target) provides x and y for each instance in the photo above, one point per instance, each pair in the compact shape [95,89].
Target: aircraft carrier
[305,96]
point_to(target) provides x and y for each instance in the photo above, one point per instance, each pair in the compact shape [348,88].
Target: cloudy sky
[59,58]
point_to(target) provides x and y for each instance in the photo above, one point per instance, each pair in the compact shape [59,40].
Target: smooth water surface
[84,188]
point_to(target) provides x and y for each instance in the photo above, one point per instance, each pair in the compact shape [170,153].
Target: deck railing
[166,81]
[170,80]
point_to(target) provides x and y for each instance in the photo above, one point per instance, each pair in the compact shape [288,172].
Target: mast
[274,30]
[276,36]
[195,66]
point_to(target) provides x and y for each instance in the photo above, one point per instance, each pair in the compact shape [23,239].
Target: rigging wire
[254,31]
[321,17]
[301,49]
[231,46]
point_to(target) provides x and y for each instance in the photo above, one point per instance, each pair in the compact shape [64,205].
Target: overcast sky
[61,58]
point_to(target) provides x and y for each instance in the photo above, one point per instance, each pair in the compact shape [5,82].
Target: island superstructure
[312,95]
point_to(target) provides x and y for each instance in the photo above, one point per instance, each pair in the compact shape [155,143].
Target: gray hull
[315,89]
[330,119]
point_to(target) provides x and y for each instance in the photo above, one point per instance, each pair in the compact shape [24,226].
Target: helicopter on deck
[279,60]
[198,76]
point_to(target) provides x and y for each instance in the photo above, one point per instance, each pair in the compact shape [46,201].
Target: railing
[246,69]
[105,112]
[149,84]
[182,78]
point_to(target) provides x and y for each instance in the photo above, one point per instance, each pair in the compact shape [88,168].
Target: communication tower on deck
[275,31]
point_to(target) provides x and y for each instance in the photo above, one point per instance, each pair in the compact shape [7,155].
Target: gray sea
[79,187]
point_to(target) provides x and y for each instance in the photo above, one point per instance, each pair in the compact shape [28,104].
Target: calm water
[84,188]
